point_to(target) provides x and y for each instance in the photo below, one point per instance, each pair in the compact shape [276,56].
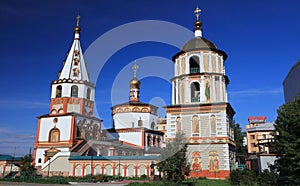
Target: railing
[195,100]
[194,70]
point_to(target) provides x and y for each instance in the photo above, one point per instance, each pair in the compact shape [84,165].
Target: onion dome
[134,83]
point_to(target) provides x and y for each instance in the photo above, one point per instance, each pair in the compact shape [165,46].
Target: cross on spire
[197,12]
[135,68]
[78,19]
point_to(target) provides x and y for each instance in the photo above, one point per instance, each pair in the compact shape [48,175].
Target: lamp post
[119,169]
[91,168]
[49,166]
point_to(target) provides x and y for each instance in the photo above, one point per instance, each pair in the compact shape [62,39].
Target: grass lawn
[194,182]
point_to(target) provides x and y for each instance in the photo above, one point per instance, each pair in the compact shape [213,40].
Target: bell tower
[72,91]
[71,118]
[200,107]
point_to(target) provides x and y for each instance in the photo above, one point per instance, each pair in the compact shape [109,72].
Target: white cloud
[256,92]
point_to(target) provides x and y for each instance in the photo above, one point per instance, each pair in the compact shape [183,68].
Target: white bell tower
[200,107]
[71,118]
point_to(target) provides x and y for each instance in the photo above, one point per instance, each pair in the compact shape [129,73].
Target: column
[177,92]
[209,62]
[173,92]
[221,89]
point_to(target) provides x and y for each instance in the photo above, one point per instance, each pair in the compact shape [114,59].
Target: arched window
[54,135]
[88,93]
[213,126]
[194,65]
[195,126]
[152,125]
[74,91]
[58,91]
[178,124]
[195,92]
[140,122]
[39,160]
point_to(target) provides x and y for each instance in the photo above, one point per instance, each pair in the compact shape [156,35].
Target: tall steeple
[134,94]
[198,23]
[73,87]
[75,67]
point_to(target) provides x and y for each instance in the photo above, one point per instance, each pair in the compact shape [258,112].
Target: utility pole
[12,161]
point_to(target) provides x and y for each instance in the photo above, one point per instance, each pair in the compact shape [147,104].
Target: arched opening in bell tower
[74,91]
[58,91]
[194,64]
[195,92]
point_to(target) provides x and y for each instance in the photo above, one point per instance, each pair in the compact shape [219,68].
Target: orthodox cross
[134,68]
[197,12]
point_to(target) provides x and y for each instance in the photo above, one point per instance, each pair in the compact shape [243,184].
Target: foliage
[287,142]
[173,162]
[192,182]
[244,177]
[241,150]
[26,166]
[267,178]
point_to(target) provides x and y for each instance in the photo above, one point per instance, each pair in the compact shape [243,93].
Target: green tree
[27,169]
[241,150]
[287,142]
[173,162]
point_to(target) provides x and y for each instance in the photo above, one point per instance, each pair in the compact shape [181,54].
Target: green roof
[114,158]
[8,157]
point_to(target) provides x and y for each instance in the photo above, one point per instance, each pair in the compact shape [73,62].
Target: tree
[241,150]
[27,169]
[287,142]
[173,162]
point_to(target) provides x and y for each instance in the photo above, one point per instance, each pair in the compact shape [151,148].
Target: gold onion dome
[134,82]
[77,29]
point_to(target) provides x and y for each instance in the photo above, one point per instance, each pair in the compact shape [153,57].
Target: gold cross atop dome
[197,12]
[78,19]
[135,68]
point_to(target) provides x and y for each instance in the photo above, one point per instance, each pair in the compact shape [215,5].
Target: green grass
[190,182]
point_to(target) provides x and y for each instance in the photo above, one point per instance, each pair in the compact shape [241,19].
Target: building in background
[200,108]
[291,84]
[259,137]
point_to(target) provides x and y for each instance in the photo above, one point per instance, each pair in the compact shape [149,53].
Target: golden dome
[134,81]
[77,29]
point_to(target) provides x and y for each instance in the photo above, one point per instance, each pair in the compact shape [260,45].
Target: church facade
[70,142]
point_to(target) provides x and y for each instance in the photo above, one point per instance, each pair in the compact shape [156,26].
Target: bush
[267,178]
[245,177]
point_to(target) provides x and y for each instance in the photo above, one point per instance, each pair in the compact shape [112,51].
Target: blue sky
[261,39]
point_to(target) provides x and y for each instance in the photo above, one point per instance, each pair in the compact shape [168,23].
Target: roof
[8,157]
[134,103]
[75,67]
[257,118]
[199,43]
[262,127]
[114,158]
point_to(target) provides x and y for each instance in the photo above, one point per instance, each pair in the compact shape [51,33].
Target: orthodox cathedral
[70,141]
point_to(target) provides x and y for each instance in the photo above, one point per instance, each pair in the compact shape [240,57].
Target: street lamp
[49,166]
[119,169]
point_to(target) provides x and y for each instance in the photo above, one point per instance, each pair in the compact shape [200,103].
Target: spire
[75,67]
[198,23]
[134,94]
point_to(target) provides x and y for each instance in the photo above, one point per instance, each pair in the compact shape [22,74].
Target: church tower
[71,116]
[134,114]
[200,108]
